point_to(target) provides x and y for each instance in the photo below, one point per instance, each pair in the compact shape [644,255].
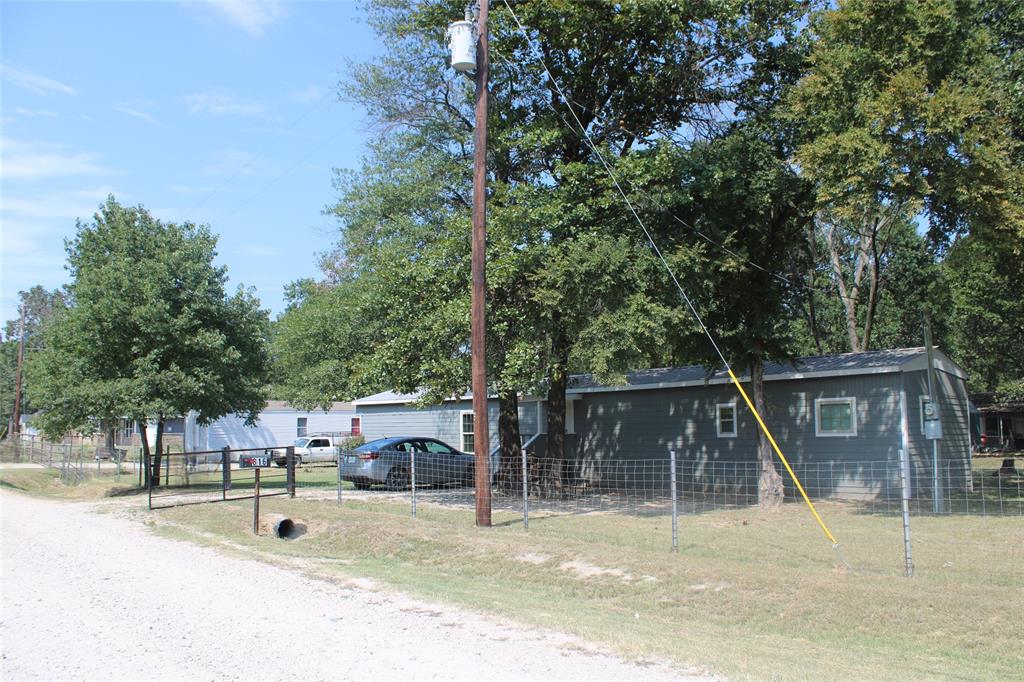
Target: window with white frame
[356,427]
[468,443]
[726,420]
[300,426]
[835,417]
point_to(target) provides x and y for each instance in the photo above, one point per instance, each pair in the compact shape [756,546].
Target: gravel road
[89,596]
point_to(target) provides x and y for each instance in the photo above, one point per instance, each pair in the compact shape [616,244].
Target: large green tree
[151,333]
[909,111]
[634,73]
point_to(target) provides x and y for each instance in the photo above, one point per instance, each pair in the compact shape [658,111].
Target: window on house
[357,426]
[726,420]
[468,443]
[300,426]
[835,417]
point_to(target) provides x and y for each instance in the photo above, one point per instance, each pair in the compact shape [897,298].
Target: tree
[40,306]
[739,191]
[986,334]
[634,73]
[151,333]
[900,120]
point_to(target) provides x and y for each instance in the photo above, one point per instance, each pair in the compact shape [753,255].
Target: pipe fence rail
[178,479]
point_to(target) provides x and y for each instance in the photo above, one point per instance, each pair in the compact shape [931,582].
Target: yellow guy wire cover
[778,451]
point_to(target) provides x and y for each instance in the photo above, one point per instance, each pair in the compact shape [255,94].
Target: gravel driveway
[94,596]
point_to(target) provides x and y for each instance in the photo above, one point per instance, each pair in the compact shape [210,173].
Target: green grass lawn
[750,595]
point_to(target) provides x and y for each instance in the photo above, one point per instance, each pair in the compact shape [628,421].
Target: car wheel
[469,478]
[361,485]
[397,479]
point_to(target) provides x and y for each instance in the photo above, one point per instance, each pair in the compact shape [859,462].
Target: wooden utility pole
[16,419]
[481,440]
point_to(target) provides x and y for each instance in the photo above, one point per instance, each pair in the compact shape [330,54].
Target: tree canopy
[151,332]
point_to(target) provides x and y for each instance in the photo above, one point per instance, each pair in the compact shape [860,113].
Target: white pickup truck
[315,448]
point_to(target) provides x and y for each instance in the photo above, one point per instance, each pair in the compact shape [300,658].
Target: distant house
[279,424]
[861,408]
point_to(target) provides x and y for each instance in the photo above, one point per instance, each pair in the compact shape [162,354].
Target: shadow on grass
[125,492]
[4,483]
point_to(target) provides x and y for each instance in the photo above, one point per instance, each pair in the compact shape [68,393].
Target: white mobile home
[279,424]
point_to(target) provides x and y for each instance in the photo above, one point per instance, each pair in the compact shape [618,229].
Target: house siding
[436,421]
[955,444]
[626,433]
[274,429]
[645,425]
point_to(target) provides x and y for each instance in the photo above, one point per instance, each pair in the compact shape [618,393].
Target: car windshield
[301,442]
[379,444]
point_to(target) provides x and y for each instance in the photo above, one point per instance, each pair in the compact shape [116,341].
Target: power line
[682,293]
[581,133]
[260,153]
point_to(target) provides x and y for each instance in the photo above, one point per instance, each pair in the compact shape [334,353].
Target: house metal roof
[817,366]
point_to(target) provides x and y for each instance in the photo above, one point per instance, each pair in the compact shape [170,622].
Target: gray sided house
[841,420]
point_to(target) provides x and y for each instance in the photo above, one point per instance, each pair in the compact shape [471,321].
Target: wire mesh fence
[77,461]
[985,486]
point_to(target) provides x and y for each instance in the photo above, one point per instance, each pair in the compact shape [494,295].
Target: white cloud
[310,93]
[34,113]
[33,82]
[221,104]
[128,111]
[62,206]
[252,16]
[20,160]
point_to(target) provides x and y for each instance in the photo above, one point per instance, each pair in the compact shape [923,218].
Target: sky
[219,113]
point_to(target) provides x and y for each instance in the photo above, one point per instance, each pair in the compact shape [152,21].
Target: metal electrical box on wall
[932,425]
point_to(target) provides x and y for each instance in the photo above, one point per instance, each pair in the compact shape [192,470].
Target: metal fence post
[905,505]
[225,472]
[412,487]
[149,478]
[526,492]
[675,504]
[289,474]
[256,504]
[340,458]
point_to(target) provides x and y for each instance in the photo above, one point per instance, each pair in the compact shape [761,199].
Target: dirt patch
[532,558]
[584,570]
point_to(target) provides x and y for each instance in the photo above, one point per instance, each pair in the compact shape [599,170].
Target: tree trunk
[770,492]
[554,463]
[108,435]
[510,472]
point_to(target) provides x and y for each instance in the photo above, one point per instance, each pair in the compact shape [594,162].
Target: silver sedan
[389,461]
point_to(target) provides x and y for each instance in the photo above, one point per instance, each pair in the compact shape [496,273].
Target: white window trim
[852,401]
[462,433]
[718,420]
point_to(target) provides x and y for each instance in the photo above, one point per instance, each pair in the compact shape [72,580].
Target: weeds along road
[94,596]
